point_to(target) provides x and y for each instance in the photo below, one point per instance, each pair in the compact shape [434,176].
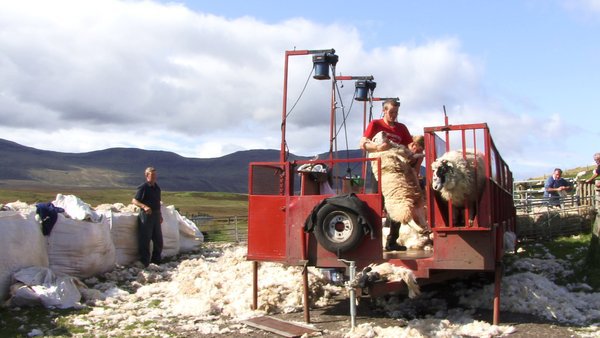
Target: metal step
[279,326]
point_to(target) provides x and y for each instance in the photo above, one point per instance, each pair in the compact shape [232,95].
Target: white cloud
[142,74]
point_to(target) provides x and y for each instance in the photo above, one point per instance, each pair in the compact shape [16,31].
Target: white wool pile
[205,286]
[398,273]
[115,207]
[550,268]
[198,295]
[21,245]
[535,294]
[76,208]
[19,206]
[413,239]
[210,293]
[431,327]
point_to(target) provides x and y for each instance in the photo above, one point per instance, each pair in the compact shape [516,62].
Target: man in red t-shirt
[396,132]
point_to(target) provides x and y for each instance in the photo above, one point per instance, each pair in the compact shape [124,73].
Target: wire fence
[540,217]
[222,229]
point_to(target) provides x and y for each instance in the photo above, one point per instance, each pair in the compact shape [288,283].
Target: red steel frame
[278,211]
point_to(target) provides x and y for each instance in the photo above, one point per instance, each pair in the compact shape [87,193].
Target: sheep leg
[419,229]
[458,216]
[472,213]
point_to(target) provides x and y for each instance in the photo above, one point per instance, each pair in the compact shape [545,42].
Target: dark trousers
[394,232]
[149,229]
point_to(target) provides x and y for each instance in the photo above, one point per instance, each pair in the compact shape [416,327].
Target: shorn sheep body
[458,179]
[403,196]
[404,154]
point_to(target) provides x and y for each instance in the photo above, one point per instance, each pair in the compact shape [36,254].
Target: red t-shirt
[398,133]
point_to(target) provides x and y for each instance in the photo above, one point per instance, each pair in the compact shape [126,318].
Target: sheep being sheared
[404,200]
[403,151]
[456,178]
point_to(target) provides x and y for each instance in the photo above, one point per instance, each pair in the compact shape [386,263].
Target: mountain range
[124,168]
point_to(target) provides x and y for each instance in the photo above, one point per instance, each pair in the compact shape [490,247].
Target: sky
[205,79]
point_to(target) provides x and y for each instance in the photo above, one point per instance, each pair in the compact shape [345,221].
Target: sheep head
[442,175]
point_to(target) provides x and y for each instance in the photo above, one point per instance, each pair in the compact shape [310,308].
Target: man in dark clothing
[150,219]
[555,188]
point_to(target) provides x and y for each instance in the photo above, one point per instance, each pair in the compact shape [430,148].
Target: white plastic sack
[81,248]
[170,231]
[21,245]
[190,237]
[37,285]
[76,208]
[124,232]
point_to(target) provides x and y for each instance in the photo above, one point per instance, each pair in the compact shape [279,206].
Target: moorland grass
[215,204]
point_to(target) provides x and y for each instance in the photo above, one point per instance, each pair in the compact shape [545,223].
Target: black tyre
[337,229]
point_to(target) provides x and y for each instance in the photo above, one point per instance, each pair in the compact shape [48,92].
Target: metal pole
[254,285]
[305,294]
[352,291]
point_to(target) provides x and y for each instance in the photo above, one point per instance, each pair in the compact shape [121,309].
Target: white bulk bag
[21,245]
[170,231]
[35,285]
[124,234]
[81,248]
[190,237]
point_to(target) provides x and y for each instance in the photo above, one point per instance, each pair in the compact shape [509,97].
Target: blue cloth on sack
[48,214]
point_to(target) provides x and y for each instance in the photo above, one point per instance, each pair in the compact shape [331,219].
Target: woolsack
[190,237]
[170,231]
[21,245]
[124,232]
[81,248]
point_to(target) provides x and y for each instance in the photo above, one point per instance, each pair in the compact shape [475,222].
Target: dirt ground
[337,317]
[334,321]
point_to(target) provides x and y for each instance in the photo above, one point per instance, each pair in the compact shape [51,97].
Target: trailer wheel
[337,229]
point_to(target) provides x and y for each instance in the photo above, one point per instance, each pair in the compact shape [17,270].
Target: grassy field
[214,204]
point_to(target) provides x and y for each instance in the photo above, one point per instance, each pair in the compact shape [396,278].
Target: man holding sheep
[396,132]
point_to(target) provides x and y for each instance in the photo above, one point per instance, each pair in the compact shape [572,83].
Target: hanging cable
[344,126]
[301,93]
[292,108]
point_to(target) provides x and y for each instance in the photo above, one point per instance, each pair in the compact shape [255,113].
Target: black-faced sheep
[457,179]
